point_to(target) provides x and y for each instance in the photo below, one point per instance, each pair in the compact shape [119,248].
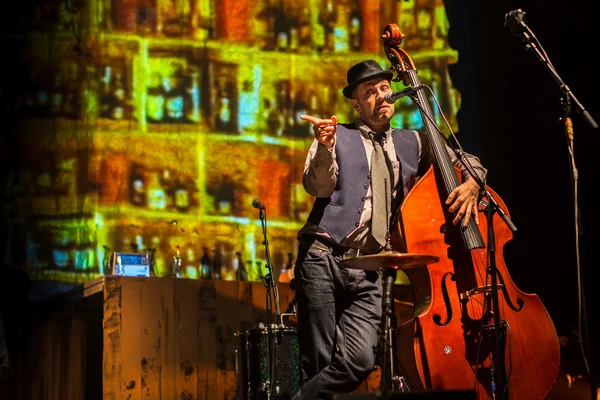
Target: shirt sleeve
[320,170]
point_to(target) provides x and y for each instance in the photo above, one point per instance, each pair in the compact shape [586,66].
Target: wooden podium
[174,338]
[167,338]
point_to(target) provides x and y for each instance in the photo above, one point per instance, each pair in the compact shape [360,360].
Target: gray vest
[339,214]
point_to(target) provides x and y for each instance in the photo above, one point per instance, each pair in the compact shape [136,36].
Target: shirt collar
[368,132]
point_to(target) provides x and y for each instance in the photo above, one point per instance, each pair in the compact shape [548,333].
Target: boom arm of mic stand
[531,44]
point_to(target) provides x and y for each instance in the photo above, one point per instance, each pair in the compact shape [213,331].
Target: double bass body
[449,345]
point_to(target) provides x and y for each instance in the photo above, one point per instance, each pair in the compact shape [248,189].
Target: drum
[251,356]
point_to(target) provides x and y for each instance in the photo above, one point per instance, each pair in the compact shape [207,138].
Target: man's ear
[355,104]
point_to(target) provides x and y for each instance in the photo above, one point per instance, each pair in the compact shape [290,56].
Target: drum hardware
[388,262]
[388,259]
[251,351]
[291,311]
[400,384]
[286,316]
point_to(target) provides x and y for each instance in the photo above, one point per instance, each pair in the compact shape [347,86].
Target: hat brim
[347,91]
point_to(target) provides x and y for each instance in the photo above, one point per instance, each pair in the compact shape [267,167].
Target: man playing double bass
[359,174]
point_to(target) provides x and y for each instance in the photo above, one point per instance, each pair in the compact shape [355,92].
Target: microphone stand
[386,341]
[515,20]
[497,369]
[497,331]
[391,381]
[272,380]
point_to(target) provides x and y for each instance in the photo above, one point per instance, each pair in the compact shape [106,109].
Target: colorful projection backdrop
[151,125]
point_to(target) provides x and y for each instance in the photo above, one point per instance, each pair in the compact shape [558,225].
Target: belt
[335,248]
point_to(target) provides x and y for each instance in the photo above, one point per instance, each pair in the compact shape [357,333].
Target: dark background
[510,116]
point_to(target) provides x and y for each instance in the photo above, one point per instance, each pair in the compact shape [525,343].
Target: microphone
[391,97]
[257,204]
[515,20]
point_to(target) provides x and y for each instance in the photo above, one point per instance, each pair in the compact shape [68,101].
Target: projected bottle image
[223,96]
[205,265]
[63,94]
[249,104]
[156,196]
[113,101]
[57,96]
[167,182]
[175,17]
[137,186]
[284,106]
[256,273]
[249,270]
[273,120]
[176,264]
[191,103]
[225,192]
[174,95]
[355,28]
[224,112]
[181,197]
[294,41]
[240,268]
[135,16]
[160,256]
[266,18]
[300,128]
[155,99]
[216,265]
[191,266]
[327,19]
[224,107]
[304,33]
[282,30]
[426,26]
[119,101]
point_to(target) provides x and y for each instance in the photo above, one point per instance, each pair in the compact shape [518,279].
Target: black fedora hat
[362,72]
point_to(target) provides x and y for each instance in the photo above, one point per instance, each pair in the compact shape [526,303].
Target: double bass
[451,343]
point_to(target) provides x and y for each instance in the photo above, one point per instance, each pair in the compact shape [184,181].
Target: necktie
[380,185]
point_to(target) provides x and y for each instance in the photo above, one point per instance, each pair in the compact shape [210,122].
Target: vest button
[357,223]
[363,199]
[366,186]
[360,211]
[369,176]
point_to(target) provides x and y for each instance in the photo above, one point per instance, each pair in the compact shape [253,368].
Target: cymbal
[388,259]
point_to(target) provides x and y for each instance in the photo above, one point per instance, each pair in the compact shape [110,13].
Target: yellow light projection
[151,125]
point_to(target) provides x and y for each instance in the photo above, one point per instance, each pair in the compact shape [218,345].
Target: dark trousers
[339,316]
